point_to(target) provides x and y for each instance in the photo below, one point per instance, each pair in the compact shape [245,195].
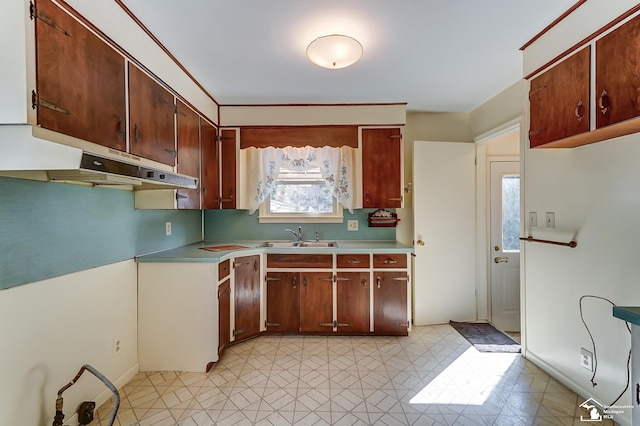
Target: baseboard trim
[570,383]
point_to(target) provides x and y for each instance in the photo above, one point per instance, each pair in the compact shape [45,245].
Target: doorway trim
[483,289]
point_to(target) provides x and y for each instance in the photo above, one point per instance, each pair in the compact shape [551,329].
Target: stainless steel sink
[318,244]
[299,244]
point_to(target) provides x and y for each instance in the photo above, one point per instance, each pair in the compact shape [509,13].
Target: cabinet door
[381,168]
[559,100]
[247,297]
[390,303]
[316,302]
[618,74]
[353,296]
[228,168]
[80,80]
[224,315]
[283,301]
[188,154]
[151,112]
[210,172]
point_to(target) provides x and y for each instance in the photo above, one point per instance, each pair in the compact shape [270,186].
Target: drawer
[360,260]
[395,260]
[299,260]
[224,268]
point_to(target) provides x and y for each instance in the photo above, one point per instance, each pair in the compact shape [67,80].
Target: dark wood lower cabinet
[247,297]
[316,302]
[283,302]
[224,316]
[390,303]
[353,298]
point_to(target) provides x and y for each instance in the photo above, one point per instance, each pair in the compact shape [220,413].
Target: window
[511,213]
[302,196]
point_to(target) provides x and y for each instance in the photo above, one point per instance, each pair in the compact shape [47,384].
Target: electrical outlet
[586,359]
[116,346]
[167,228]
[352,225]
[533,219]
[550,220]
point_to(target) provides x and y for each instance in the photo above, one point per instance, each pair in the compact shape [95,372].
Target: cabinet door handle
[304,282]
[171,152]
[326,279]
[366,197]
[295,281]
[401,279]
[578,110]
[120,128]
[136,133]
[396,199]
[342,279]
[389,261]
[364,282]
[378,281]
[353,261]
[273,279]
[255,265]
[601,102]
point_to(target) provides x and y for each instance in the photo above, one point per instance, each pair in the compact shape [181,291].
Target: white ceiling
[435,55]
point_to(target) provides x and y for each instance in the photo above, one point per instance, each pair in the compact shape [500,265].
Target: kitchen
[75,247]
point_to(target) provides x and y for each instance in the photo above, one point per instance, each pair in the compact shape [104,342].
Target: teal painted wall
[49,229]
[229,225]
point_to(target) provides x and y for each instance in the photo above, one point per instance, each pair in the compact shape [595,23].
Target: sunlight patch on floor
[469,380]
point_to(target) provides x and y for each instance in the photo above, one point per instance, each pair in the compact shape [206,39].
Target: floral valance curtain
[337,166]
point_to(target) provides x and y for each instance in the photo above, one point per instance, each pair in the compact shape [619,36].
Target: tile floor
[432,377]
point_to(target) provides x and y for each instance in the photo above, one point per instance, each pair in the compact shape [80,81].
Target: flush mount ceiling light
[334,51]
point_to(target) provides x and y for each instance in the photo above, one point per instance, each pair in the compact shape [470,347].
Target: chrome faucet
[297,234]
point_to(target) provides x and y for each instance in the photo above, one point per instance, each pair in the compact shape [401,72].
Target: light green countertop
[195,252]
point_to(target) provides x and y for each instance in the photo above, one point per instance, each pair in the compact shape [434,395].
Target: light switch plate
[167,228]
[550,220]
[352,225]
[533,219]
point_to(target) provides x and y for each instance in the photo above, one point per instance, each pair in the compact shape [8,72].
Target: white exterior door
[444,232]
[505,245]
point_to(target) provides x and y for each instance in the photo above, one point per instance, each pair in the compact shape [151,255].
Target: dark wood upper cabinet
[247,296]
[80,80]
[210,183]
[381,168]
[283,302]
[188,123]
[151,111]
[228,160]
[559,100]
[618,75]
[219,169]
[390,303]
[353,293]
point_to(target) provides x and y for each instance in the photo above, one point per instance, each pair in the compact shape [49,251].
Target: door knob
[501,259]
[420,242]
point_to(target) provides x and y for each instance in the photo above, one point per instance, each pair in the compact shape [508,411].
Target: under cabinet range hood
[30,152]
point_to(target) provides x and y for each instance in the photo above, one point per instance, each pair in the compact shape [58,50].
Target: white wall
[50,328]
[594,193]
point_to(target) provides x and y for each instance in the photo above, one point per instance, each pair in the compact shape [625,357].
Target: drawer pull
[275,279]
[353,261]
[272,324]
[389,261]
[239,331]
[342,279]
[240,264]
[401,279]
[326,279]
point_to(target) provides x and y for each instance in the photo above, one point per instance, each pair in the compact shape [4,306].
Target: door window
[511,213]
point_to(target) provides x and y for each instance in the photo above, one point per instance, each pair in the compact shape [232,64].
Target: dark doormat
[485,337]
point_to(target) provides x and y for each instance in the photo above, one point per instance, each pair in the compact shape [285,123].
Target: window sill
[300,219]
